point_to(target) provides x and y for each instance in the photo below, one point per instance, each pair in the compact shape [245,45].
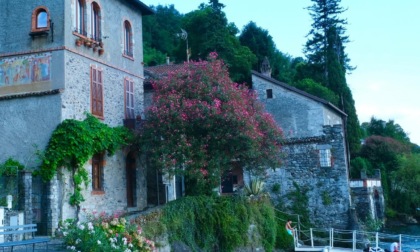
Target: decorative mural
[25,69]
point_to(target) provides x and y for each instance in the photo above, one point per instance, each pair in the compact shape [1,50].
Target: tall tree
[200,121]
[216,5]
[328,62]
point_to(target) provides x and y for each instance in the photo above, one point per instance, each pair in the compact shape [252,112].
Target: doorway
[130,171]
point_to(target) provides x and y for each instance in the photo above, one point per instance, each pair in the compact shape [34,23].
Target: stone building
[58,60]
[367,197]
[316,158]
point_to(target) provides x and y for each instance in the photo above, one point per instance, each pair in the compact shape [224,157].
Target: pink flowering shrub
[104,233]
[200,121]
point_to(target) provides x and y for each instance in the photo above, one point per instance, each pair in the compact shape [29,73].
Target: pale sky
[384,46]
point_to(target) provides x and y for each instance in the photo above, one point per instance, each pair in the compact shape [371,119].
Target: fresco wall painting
[25,70]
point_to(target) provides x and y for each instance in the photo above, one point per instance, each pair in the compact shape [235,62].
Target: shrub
[217,223]
[104,233]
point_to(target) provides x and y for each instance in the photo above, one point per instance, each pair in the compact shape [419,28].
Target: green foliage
[360,164]
[152,56]
[326,198]
[317,89]
[299,199]
[275,188]
[283,239]
[255,187]
[10,167]
[221,223]
[159,35]
[71,145]
[9,171]
[390,213]
[373,225]
[260,42]
[405,183]
[263,215]
[104,233]
[386,129]
[209,31]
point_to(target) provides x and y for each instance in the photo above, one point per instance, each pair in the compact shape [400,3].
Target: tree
[200,122]
[387,129]
[260,42]
[328,62]
[314,88]
[384,154]
[160,34]
[406,185]
[209,31]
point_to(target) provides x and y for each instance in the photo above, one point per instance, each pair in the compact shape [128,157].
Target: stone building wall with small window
[315,154]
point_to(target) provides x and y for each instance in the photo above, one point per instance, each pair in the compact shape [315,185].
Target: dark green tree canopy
[260,42]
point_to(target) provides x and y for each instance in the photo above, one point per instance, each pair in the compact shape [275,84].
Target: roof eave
[144,9]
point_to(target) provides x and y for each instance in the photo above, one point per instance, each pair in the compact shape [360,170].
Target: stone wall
[369,203]
[326,188]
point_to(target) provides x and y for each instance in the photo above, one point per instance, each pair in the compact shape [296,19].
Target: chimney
[265,67]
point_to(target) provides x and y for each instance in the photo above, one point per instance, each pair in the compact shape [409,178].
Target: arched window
[128,39]
[80,17]
[40,19]
[96,22]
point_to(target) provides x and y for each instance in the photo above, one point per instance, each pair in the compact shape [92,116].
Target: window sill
[98,193]
[39,33]
[128,57]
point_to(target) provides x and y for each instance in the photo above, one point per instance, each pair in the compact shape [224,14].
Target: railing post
[354,240]
[312,238]
[377,240]
[400,243]
[332,237]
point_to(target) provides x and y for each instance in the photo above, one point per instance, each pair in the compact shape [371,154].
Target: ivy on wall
[9,171]
[73,143]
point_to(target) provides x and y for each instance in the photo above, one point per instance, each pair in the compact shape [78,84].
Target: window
[129,99]
[40,20]
[80,17]
[96,92]
[128,39]
[97,172]
[96,22]
[325,157]
[269,93]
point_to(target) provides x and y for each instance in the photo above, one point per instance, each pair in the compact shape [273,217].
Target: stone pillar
[52,199]
[25,196]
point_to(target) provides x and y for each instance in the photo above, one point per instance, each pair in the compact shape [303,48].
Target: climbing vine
[10,167]
[73,143]
[9,171]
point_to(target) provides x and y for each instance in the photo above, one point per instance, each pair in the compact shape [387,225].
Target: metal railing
[353,239]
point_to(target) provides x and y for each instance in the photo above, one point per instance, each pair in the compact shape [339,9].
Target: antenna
[184,35]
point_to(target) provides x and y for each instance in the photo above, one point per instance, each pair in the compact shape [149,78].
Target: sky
[384,47]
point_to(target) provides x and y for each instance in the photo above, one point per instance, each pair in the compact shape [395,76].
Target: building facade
[60,60]
[316,157]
